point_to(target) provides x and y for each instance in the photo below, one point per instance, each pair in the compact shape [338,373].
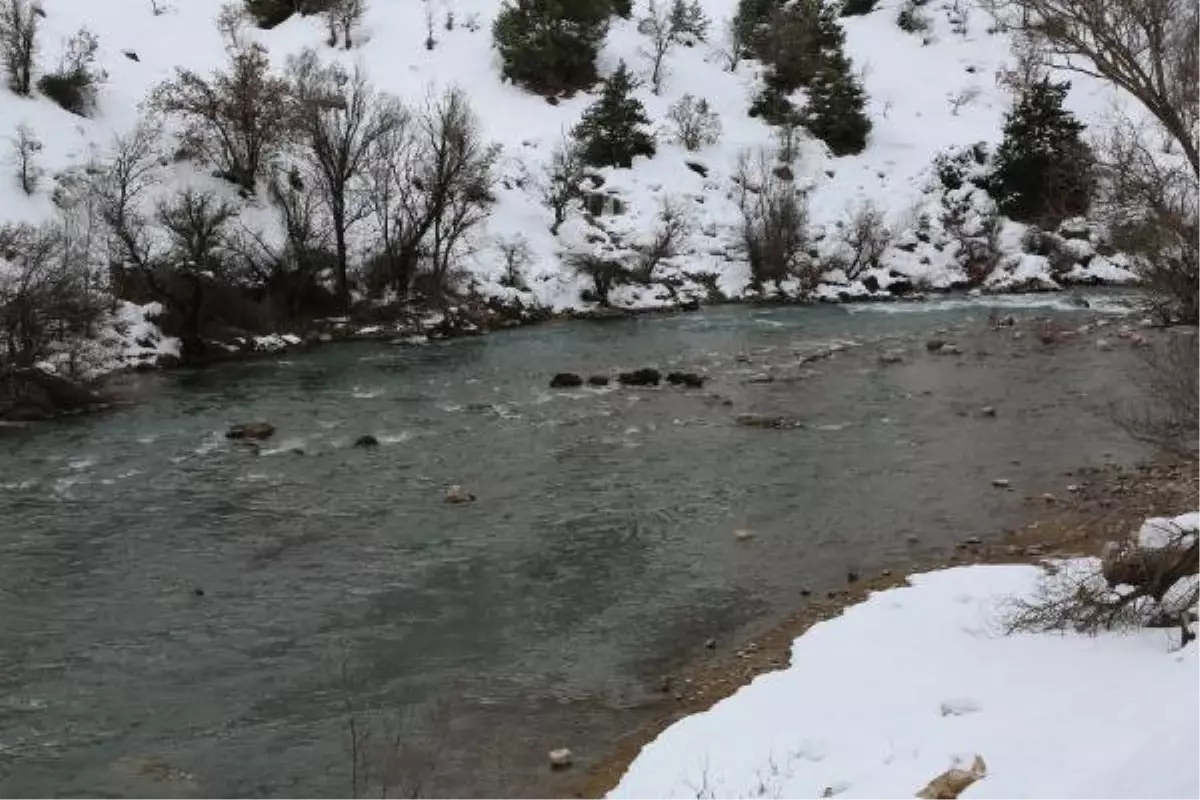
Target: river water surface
[336,583]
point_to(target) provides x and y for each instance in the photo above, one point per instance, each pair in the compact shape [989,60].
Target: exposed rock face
[253,431]
[31,394]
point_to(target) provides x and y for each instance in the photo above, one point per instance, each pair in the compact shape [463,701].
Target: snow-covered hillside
[926,94]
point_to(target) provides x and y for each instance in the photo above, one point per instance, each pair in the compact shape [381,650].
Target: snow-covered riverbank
[916,680]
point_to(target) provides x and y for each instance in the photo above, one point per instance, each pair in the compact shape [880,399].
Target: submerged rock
[641,377]
[598,380]
[688,379]
[565,380]
[366,440]
[251,430]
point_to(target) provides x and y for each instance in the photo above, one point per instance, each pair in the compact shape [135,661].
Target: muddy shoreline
[1108,503]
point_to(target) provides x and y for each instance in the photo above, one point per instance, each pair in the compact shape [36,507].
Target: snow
[916,89]
[1158,532]
[915,680]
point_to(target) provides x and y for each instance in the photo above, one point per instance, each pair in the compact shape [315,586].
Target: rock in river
[688,379]
[767,421]
[366,440]
[457,494]
[641,377]
[565,380]
[251,430]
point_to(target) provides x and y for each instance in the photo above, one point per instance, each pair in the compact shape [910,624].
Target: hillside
[928,93]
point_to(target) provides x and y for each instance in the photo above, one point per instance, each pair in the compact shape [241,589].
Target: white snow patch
[881,700]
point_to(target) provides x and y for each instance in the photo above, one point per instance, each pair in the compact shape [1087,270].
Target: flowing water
[337,585]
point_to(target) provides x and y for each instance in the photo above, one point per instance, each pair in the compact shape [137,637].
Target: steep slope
[927,93]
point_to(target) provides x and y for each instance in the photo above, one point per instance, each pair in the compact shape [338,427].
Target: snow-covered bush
[695,124]
[912,19]
[550,46]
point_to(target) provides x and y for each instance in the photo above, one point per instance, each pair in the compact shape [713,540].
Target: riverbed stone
[366,440]
[598,380]
[561,758]
[565,380]
[1001,483]
[251,431]
[743,535]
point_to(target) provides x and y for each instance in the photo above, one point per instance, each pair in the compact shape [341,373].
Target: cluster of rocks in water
[647,376]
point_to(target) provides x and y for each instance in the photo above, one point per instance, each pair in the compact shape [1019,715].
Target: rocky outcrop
[32,394]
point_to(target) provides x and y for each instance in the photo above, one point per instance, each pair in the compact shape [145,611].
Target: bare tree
[131,171]
[731,44]
[73,84]
[430,41]
[868,236]
[26,147]
[231,22]
[668,237]
[236,119]
[1146,47]
[18,42]
[516,255]
[341,18]
[774,224]
[656,24]
[197,224]
[564,173]
[696,125]
[429,185]
[339,118]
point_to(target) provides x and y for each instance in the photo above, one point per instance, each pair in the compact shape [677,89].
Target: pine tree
[749,23]
[612,130]
[1043,169]
[550,45]
[836,100]
[688,20]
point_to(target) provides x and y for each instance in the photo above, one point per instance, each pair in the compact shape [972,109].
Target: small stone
[198,592]
[561,758]
[297,451]
[912,538]
[710,644]
[1049,498]
[934,345]
[1001,483]
[743,535]
[988,411]
[1073,487]
[457,494]
[973,540]
[887,573]
[851,577]
[598,380]
[805,592]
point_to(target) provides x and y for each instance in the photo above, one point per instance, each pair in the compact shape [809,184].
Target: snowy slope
[911,85]
[913,681]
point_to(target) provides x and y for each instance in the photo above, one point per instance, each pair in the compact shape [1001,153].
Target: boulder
[598,380]
[641,377]
[366,440]
[254,431]
[457,494]
[688,379]
[565,380]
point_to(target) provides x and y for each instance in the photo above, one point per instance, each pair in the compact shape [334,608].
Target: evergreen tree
[836,100]
[622,8]
[1043,169]
[612,130]
[749,23]
[550,45]
[854,8]
[688,20]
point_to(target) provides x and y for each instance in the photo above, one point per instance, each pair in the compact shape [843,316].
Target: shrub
[774,225]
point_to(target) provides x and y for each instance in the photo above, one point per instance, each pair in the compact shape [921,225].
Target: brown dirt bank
[1107,503]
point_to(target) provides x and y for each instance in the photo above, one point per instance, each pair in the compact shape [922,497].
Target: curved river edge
[1111,502]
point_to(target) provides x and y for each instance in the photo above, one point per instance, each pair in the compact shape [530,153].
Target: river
[184,615]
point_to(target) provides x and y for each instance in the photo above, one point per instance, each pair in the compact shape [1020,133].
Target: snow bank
[884,698]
